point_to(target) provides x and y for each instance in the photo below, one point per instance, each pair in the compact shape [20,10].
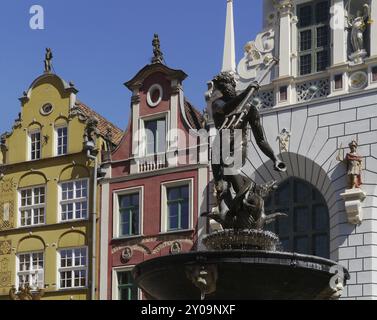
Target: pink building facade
[156,183]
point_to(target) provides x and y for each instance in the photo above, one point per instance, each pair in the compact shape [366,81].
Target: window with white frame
[129,214]
[125,287]
[32,206]
[61,141]
[155,135]
[35,145]
[177,206]
[74,200]
[314,36]
[30,270]
[73,268]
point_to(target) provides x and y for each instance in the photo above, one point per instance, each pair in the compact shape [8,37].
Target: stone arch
[31,243]
[34,126]
[329,179]
[74,172]
[61,121]
[72,238]
[32,179]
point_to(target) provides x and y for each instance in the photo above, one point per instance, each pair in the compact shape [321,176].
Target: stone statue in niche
[354,164]
[358,26]
[284,138]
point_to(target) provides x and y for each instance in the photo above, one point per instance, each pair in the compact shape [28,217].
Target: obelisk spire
[229,59]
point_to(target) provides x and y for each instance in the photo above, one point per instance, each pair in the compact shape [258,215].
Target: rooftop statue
[158,55]
[48,60]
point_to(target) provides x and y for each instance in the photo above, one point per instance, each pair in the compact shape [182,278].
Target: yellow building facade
[48,170]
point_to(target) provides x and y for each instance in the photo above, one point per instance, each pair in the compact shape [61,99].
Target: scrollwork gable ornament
[258,55]
[260,52]
[77,112]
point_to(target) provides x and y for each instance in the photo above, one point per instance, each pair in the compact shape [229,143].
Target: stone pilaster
[285,9]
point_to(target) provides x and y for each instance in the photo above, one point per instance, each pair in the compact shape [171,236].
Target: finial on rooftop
[158,55]
[48,60]
[229,59]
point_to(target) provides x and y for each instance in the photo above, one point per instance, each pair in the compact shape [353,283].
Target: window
[155,131]
[74,200]
[31,270]
[283,91]
[374,74]
[126,288]
[178,208]
[73,268]
[338,79]
[306,229]
[129,215]
[35,145]
[32,206]
[62,141]
[314,31]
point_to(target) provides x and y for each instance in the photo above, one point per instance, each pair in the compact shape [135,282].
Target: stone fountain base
[240,275]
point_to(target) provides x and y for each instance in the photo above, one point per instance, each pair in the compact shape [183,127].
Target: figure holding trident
[232,114]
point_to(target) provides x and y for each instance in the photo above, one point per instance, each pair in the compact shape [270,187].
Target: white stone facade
[321,122]
[318,129]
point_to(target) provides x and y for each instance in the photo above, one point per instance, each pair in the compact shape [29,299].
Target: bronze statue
[48,60]
[234,113]
[354,163]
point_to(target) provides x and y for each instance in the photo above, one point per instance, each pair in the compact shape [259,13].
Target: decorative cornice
[149,69]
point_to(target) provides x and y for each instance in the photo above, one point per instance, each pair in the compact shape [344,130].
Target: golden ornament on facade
[5,247]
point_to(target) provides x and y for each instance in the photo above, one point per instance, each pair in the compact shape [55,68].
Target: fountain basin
[241,275]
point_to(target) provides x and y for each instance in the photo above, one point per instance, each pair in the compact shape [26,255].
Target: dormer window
[35,145]
[314,37]
[155,132]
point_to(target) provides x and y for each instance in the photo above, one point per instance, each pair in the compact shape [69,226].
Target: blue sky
[101,44]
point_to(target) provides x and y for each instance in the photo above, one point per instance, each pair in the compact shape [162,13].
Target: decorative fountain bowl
[242,240]
[241,265]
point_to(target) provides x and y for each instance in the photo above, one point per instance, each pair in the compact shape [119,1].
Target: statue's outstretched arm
[259,135]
